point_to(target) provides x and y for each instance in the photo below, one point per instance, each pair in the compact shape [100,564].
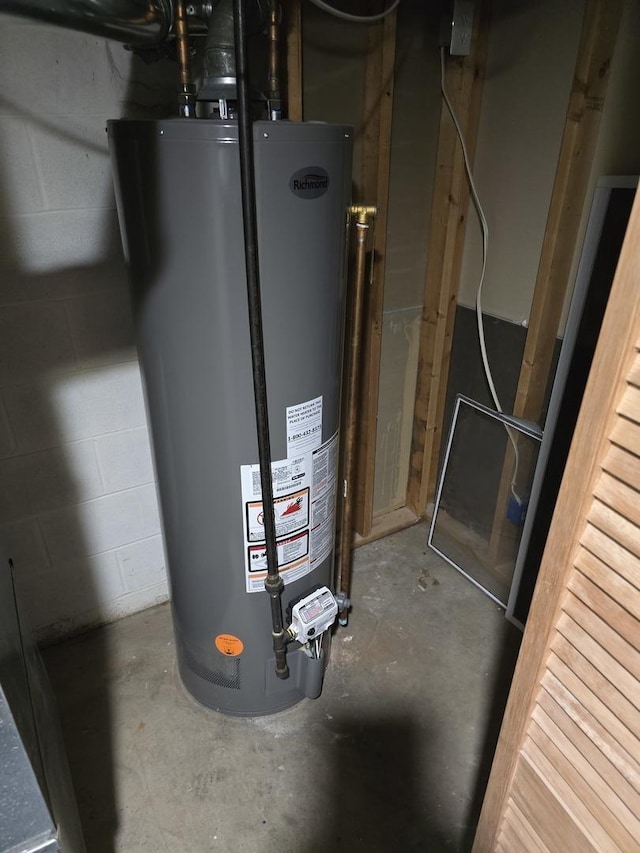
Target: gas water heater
[179,202]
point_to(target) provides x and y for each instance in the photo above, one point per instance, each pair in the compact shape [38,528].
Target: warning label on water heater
[304,427]
[304,493]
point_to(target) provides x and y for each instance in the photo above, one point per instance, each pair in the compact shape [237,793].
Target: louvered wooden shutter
[566,776]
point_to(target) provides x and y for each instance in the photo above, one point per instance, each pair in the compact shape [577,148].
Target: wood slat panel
[596,793]
[623,532]
[514,837]
[617,495]
[633,377]
[623,622]
[600,657]
[562,830]
[572,792]
[630,404]
[609,581]
[626,434]
[594,703]
[610,552]
[536,841]
[608,639]
[623,465]
[549,769]
[587,746]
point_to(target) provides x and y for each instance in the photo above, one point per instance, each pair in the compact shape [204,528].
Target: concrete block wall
[78,509]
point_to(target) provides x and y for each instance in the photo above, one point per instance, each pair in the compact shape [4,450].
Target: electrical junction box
[461,27]
[313,614]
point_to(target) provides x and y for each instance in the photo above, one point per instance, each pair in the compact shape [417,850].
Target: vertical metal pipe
[343,581]
[186,87]
[275,103]
[273,584]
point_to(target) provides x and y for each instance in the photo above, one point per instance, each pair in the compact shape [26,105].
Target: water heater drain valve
[313,615]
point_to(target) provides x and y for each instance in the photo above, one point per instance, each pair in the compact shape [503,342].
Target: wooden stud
[463,79]
[387,523]
[293,29]
[374,184]
[580,136]
[582,125]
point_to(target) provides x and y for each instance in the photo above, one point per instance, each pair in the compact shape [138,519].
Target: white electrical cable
[485,250]
[354,19]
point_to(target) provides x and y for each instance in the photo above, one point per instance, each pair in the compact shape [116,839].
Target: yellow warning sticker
[229,645]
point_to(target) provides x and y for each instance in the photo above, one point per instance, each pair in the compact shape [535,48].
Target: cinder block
[59,596]
[18,174]
[36,482]
[42,601]
[18,285]
[102,577]
[124,459]
[61,72]
[76,406]
[45,243]
[100,525]
[142,564]
[102,328]
[25,546]
[34,342]
[73,162]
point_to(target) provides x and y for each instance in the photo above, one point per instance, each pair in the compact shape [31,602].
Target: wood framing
[463,79]
[565,773]
[293,40]
[580,136]
[582,125]
[387,523]
[375,142]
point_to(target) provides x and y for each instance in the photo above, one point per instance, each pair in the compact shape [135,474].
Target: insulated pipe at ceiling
[135,22]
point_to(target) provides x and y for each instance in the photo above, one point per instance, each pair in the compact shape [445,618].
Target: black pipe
[273,584]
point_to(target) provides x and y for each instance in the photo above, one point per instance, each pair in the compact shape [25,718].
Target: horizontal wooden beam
[387,523]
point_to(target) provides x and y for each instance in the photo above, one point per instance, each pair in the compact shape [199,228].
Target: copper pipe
[275,105]
[363,215]
[186,88]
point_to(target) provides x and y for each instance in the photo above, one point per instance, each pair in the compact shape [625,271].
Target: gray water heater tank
[178,195]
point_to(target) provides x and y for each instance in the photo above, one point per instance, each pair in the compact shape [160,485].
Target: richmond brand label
[310,182]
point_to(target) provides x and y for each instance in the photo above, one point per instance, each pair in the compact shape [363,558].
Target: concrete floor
[392,756]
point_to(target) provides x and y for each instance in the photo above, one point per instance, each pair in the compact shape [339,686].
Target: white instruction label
[304,427]
[323,500]
[304,497]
